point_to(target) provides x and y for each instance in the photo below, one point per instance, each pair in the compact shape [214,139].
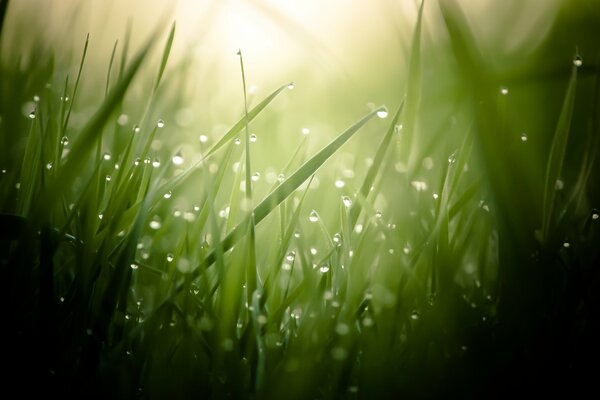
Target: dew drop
[134,266]
[123,119]
[523,137]
[577,61]
[155,223]
[64,141]
[452,158]
[106,156]
[313,217]
[108,178]
[167,195]
[305,131]
[136,128]
[170,257]
[566,245]
[203,138]
[324,268]
[137,161]
[313,251]
[378,214]
[337,239]
[160,123]
[291,256]
[291,86]
[342,329]
[414,315]
[178,158]
[347,201]
[36,98]
[252,138]
[281,178]
[382,113]
[237,141]
[50,165]
[156,162]
[504,91]
[559,185]
[595,214]
[255,176]
[32,114]
[340,183]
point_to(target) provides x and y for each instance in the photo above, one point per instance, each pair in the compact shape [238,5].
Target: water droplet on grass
[378,214]
[237,141]
[577,61]
[566,244]
[32,114]
[305,131]
[123,119]
[313,251]
[36,98]
[281,178]
[203,138]
[414,315]
[106,156]
[108,178]
[339,183]
[347,201]
[178,158]
[595,214]
[160,123]
[313,217]
[155,223]
[383,113]
[64,141]
[170,257]
[156,162]
[504,91]
[134,266]
[324,268]
[252,138]
[255,176]
[49,165]
[337,239]
[523,137]
[167,195]
[291,256]
[291,86]
[136,128]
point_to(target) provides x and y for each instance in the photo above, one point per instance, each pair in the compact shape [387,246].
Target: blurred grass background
[471,276]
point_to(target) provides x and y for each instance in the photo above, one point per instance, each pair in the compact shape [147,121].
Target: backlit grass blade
[72,100]
[413,97]
[287,187]
[374,168]
[110,64]
[557,153]
[235,129]
[165,56]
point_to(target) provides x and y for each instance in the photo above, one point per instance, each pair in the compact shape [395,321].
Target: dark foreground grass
[461,261]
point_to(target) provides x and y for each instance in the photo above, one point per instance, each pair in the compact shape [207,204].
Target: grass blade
[557,153]
[165,57]
[235,129]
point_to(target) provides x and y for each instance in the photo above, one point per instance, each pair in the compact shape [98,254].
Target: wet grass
[448,261]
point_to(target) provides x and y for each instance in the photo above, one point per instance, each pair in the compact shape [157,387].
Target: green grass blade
[374,169]
[413,97]
[110,64]
[557,153]
[165,57]
[85,48]
[235,129]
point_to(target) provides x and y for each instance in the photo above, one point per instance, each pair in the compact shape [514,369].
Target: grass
[460,261]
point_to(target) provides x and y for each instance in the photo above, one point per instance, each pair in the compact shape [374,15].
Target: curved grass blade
[557,153]
[165,57]
[372,173]
[85,47]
